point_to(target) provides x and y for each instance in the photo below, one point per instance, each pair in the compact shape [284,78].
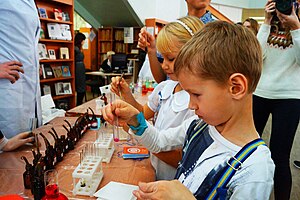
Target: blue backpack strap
[233,164]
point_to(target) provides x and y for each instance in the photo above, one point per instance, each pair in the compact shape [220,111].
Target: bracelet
[139,130]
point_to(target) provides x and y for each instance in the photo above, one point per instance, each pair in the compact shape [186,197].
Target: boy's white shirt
[243,185]
[173,109]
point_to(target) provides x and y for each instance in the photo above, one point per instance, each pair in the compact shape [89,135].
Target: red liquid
[52,190]
[116,139]
[52,193]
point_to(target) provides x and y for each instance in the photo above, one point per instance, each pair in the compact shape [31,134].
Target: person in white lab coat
[19,35]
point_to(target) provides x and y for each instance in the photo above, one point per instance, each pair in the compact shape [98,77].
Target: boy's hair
[178,32]
[219,50]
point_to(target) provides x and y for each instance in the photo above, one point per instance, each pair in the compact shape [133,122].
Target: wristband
[139,130]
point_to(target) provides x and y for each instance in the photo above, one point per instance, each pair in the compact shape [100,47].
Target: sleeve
[153,98]
[165,140]
[3,141]
[262,37]
[296,41]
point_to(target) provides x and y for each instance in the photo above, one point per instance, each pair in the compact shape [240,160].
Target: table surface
[81,109]
[119,170]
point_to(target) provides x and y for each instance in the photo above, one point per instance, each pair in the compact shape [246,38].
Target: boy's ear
[238,85]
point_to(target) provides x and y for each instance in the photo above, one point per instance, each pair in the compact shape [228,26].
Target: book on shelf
[65,71]
[59,31]
[57,14]
[57,71]
[63,88]
[51,53]
[46,89]
[64,53]
[42,12]
[42,72]
[48,71]
[43,54]
[42,33]
[135,152]
[65,16]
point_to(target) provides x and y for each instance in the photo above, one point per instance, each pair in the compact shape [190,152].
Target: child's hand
[125,112]
[17,141]
[118,86]
[163,190]
[10,70]
[146,41]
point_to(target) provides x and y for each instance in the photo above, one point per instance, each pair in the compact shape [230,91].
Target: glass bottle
[28,174]
[49,154]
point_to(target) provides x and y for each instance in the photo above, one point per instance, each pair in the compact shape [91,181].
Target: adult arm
[147,43]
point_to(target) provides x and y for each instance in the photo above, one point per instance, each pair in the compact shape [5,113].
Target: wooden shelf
[62,96]
[115,44]
[54,21]
[57,60]
[56,41]
[56,79]
[68,7]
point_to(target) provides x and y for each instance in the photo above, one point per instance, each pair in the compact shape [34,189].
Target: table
[120,170]
[81,109]
[107,76]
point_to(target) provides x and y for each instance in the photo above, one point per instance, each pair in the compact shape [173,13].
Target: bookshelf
[157,24]
[66,6]
[112,39]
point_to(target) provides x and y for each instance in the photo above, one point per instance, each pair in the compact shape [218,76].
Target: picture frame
[43,54]
[43,13]
[62,88]
[51,53]
[64,53]
[65,16]
[57,14]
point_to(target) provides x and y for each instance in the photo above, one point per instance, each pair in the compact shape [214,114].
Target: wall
[167,10]
[170,10]
[233,13]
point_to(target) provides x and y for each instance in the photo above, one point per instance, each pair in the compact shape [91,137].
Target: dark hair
[79,37]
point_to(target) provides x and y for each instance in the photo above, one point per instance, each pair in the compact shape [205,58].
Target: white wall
[233,13]
[169,10]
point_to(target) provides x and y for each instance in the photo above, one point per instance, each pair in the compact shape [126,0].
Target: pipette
[116,121]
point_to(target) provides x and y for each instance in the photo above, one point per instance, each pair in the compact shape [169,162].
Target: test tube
[115,126]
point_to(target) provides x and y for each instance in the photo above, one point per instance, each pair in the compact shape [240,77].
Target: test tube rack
[88,174]
[104,143]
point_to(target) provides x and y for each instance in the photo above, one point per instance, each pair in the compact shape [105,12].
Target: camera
[284,6]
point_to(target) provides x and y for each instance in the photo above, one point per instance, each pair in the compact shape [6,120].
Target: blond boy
[219,67]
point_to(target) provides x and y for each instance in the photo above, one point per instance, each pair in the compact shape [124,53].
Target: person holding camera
[278,90]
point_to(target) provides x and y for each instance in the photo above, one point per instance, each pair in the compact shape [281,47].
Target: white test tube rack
[104,143]
[88,174]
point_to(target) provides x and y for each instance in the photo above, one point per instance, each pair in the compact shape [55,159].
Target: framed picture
[43,13]
[64,53]
[63,88]
[65,16]
[43,54]
[57,14]
[51,53]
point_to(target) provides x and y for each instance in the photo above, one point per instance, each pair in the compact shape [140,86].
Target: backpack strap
[233,165]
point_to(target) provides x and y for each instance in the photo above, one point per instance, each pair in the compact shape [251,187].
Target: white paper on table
[116,191]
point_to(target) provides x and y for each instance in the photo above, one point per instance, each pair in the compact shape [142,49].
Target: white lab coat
[19,35]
